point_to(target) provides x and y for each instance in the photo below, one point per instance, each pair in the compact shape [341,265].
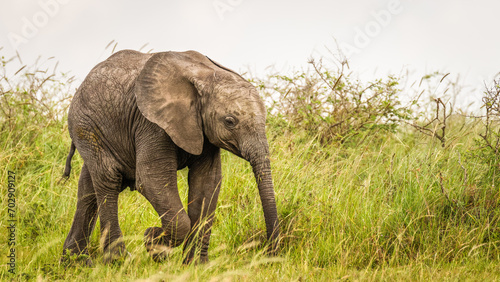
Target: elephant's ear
[166,93]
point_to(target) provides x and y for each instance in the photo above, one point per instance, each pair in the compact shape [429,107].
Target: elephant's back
[99,113]
[112,77]
[105,92]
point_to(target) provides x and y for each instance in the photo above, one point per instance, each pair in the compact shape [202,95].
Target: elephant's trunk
[259,159]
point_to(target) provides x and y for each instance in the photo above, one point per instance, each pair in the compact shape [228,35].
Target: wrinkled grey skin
[137,119]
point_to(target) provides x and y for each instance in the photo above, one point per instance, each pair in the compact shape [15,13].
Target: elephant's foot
[195,259]
[156,244]
[116,251]
[194,253]
[70,258]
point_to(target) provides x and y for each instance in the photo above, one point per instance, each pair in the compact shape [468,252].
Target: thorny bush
[31,98]
[488,142]
[332,106]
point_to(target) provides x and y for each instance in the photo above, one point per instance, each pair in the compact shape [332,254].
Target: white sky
[457,36]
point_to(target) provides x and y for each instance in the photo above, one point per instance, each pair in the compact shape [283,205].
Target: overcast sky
[379,36]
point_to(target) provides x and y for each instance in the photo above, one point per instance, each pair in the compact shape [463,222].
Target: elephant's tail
[67,169]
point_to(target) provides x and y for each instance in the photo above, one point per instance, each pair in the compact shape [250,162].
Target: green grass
[375,211]
[398,206]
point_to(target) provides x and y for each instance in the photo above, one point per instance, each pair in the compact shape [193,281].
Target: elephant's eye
[230,121]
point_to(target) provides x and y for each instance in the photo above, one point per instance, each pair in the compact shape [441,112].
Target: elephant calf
[137,119]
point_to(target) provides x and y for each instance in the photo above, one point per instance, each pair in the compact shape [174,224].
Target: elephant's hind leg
[107,184]
[84,219]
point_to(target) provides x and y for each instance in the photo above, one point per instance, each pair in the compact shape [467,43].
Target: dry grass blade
[18,71]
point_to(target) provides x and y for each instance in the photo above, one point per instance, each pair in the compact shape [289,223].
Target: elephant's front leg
[204,185]
[157,178]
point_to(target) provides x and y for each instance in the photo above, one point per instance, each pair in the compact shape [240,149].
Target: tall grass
[393,205]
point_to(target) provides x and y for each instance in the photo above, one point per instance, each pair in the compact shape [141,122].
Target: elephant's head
[192,97]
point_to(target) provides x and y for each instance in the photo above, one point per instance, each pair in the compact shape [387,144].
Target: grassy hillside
[378,201]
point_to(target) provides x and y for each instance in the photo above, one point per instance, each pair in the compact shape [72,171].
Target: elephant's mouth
[234,149]
[232,146]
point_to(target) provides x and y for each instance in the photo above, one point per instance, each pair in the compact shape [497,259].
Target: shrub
[332,106]
[31,98]
[488,142]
